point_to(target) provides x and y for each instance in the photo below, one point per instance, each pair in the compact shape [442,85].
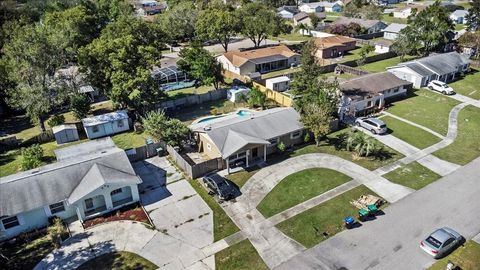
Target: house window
[396,90]
[57,207]
[120,123]
[369,103]
[273,142]
[89,203]
[94,129]
[296,134]
[116,191]
[10,222]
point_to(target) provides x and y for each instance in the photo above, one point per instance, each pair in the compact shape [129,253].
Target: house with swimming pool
[88,180]
[247,137]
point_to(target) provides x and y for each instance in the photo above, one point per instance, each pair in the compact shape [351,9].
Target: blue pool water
[175,86]
[243,113]
[209,118]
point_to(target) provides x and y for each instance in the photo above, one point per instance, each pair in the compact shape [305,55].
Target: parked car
[219,186]
[441,242]
[440,87]
[374,125]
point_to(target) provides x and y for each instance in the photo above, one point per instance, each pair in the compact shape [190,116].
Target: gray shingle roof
[364,23]
[441,64]
[424,72]
[232,134]
[371,84]
[394,28]
[55,182]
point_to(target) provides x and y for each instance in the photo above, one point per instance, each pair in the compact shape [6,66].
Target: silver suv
[374,125]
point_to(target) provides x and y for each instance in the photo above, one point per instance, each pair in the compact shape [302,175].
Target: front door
[254,152]
[89,203]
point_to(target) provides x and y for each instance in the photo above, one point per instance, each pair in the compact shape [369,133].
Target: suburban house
[88,180]
[370,26]
[369,93]
[106,124]
[287,12]
[334,46]
[248,138]
[314,7]
[278,84]
[458,16]
[304,18]
[149,7]
[443,67]
[332,6]
[391,31]
[405,12]
[259,60]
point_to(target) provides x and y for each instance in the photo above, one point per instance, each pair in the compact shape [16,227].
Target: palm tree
[361,144]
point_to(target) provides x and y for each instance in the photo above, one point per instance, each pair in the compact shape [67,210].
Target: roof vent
[103,152]
[207,128]
[35,171]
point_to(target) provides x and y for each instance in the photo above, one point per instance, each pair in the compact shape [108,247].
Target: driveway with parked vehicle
[393,241]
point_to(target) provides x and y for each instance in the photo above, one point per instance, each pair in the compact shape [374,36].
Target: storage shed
[106,124]
[278,84]
[236,93]
[65,133]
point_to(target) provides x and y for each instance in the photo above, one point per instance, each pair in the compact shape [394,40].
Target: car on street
[440,87]
[219,186]
[372,124]
[441,242]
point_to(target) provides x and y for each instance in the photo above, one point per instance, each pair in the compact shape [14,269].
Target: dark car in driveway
[219,186]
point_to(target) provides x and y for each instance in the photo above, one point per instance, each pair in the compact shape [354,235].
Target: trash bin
[160,151]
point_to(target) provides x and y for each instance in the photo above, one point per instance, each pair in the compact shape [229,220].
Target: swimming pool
[206,119]
[239,113]
[175,86]
[243,113]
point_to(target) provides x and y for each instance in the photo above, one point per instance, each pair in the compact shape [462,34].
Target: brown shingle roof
[328,42]
[372,84]
[240,58]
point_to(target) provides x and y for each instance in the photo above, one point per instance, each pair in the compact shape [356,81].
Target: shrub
[281,146]
[56,120]
[80,106]
[55,232]
[307,137]
[32,157]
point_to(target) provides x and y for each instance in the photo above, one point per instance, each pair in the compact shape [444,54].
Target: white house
[259,60]
[332,6]
[458,16]
[391,31]
[315,7]
[287,12]
[370,92]
[65,133]
[443,67]
[88,180]
[237,93]
[106,124]
[278,84]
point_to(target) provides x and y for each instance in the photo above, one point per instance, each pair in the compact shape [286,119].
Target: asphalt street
[391,241]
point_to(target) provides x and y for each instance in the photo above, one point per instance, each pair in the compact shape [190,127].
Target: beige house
[241,140]
[259,60]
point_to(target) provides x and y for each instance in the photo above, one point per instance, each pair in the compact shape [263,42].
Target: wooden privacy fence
[191,100]
[351,70]
[278,97]
[144,152]
[197,169]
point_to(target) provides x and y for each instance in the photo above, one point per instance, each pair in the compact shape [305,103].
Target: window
[120,123]
[116,191]
[10,222]
[94,129]
[396,90]
[296,134]
[89,203]
[57,207]
[273,142]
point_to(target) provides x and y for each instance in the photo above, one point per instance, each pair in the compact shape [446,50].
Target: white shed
[278,84]
[106,124]
[236,93]
[65,133]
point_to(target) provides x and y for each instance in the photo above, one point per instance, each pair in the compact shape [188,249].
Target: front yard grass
[324,220]
[412,175]
[468,85]
[223,226]
[334,145]
[129,139]
[122,260]
[425,108]
[466,146]
[466,257]
[25,255]
[241,256]
[241,177]
[381,66]
[299,187]
[410,134]
[294,36]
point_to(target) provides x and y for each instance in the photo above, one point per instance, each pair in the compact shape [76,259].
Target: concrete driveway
[392,241]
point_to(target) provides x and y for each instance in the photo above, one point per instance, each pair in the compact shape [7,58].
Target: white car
[374,125]
[440,87]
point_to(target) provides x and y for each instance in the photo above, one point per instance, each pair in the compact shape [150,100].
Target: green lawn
[390,19]
[410,134]
[466,146]
[223,226]
[281,72]
[381,66]
[425,108]
[241,256]
[189,114]
[354,55]
[129,139]
[241,177]
[190,91]
[466,257]
[299,187]
[26,255]
[468,85]
[412,175]
[121,260]
[334,145]
[294,36]
[324,220]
